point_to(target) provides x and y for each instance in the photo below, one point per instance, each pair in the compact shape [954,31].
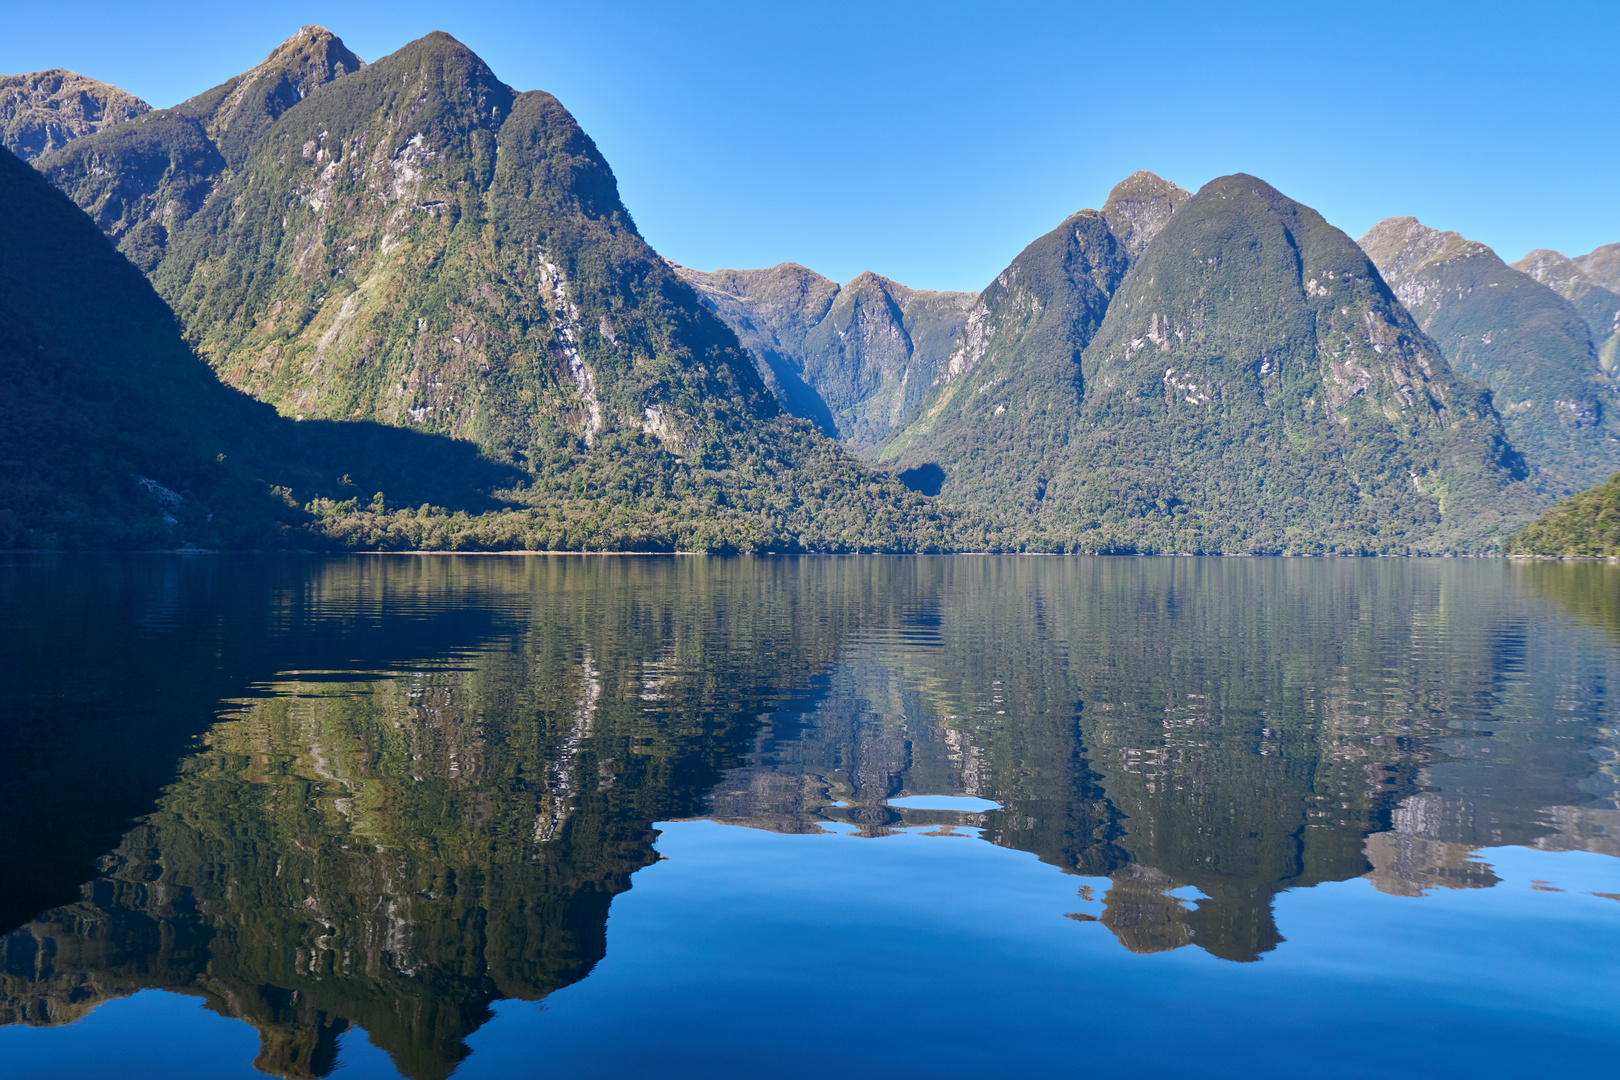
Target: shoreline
[305,552]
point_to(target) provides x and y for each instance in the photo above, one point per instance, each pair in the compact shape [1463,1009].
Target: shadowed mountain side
[1520,337]
[856,359]
[414,245]
[43,111]
[142,180]
[771,311]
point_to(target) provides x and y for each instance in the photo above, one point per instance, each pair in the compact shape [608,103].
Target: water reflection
[421,782]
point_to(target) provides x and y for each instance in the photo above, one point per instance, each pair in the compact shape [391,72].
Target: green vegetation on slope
[436,279]
[143,179]
[418,245]
[1586,525]
[1598,307]
[1000,414]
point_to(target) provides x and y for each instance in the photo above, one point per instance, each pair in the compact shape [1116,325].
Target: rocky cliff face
[856,359]
[45,110]
[1518,336]
[141,181]
[1602,265]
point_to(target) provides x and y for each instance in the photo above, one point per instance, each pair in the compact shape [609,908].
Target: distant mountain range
[413,246]
[856,359]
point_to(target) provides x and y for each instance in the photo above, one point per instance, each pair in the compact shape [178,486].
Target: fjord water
[958,816]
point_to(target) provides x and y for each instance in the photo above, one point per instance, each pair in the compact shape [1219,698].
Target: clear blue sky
[931,142]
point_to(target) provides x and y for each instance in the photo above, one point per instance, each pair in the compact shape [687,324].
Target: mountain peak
[1603,266]
[1555,270]
[1403,245]
[249,103]
[41,111]
[1139,206]
[312,40]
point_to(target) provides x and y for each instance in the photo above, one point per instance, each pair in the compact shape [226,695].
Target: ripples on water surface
[920,817]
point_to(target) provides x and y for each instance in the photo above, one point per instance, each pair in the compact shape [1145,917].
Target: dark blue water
[961,816]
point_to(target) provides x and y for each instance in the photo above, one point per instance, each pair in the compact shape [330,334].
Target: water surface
[562,816]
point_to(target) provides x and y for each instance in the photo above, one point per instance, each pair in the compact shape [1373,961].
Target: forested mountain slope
[1586,525]
[41,111]
[1248,383]
[1521,338]
[114,435]
[855,359]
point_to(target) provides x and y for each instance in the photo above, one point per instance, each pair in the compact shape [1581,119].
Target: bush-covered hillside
[1586,525]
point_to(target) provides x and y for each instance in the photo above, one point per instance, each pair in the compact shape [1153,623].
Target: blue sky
[931,142]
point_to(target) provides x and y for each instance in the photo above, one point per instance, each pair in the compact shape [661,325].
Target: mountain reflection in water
[389,792]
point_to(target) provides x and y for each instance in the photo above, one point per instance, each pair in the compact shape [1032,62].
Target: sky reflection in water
[1259,816]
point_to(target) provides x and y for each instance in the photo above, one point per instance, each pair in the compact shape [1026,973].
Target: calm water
[954,817]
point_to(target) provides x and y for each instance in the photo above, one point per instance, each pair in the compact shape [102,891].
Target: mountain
[856,359]
[1602,266]
[1521,338]
[44,110]
[141,180]
[1586,525]
[416,245]
[1246,383]
[1598,307]
[1023,341]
